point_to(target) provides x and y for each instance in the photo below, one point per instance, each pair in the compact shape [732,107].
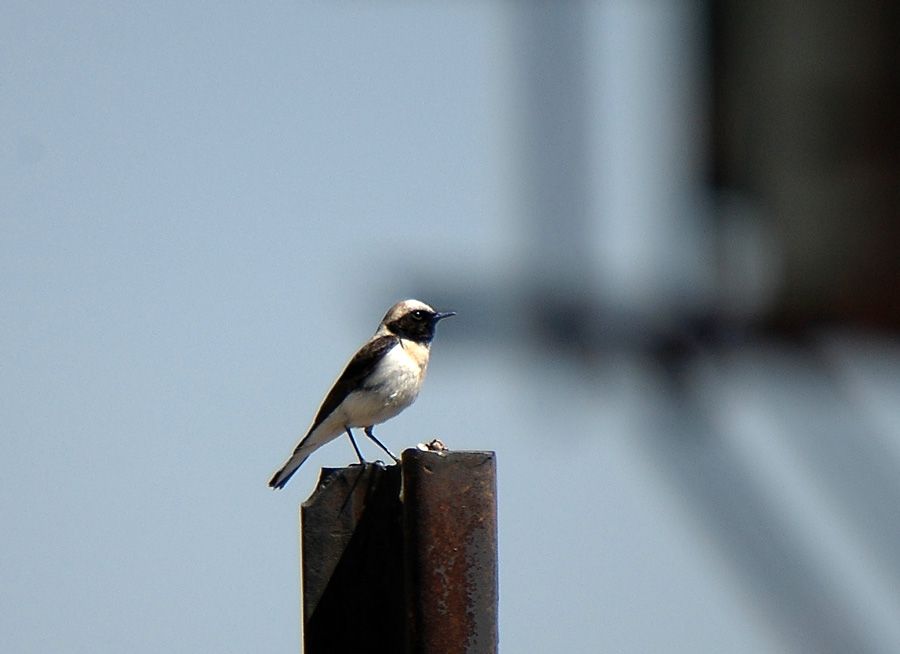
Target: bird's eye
[418,314]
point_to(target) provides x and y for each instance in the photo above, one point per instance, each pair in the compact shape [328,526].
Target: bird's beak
[443,314]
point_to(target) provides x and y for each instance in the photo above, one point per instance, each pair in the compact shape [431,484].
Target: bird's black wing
[360,366]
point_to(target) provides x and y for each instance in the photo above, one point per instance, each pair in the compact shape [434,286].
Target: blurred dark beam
[806,126]
[838,442]
[800,598]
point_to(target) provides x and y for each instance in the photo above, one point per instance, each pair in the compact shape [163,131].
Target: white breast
[392,386]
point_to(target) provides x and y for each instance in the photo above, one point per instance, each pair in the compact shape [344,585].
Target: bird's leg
[355,446]
[369,433]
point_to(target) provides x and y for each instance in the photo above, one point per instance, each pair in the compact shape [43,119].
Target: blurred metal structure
[806,144]
[417,573]
[555,157]
[806,130]
[747,418]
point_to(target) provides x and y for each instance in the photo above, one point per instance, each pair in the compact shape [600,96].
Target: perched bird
[382,379]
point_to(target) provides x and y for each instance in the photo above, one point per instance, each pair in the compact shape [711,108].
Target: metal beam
[417,573]
[450,538]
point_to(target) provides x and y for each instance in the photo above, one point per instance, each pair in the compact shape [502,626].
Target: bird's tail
[315,438]
[280,478]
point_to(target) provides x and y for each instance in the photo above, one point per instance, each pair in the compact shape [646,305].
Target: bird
[380,381]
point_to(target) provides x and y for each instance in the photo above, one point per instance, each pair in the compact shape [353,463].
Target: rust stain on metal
[450,531]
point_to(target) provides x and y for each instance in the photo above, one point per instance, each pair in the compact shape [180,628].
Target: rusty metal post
[450,540]
[352,564]
[388,574]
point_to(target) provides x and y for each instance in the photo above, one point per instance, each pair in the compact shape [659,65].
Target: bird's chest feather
[399,374]
[391,387]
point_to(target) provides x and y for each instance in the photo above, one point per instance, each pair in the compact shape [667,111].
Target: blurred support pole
[450,537]
[550,48]
[362,545]
[351,536]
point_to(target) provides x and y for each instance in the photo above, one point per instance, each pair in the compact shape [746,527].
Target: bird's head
[414,320]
